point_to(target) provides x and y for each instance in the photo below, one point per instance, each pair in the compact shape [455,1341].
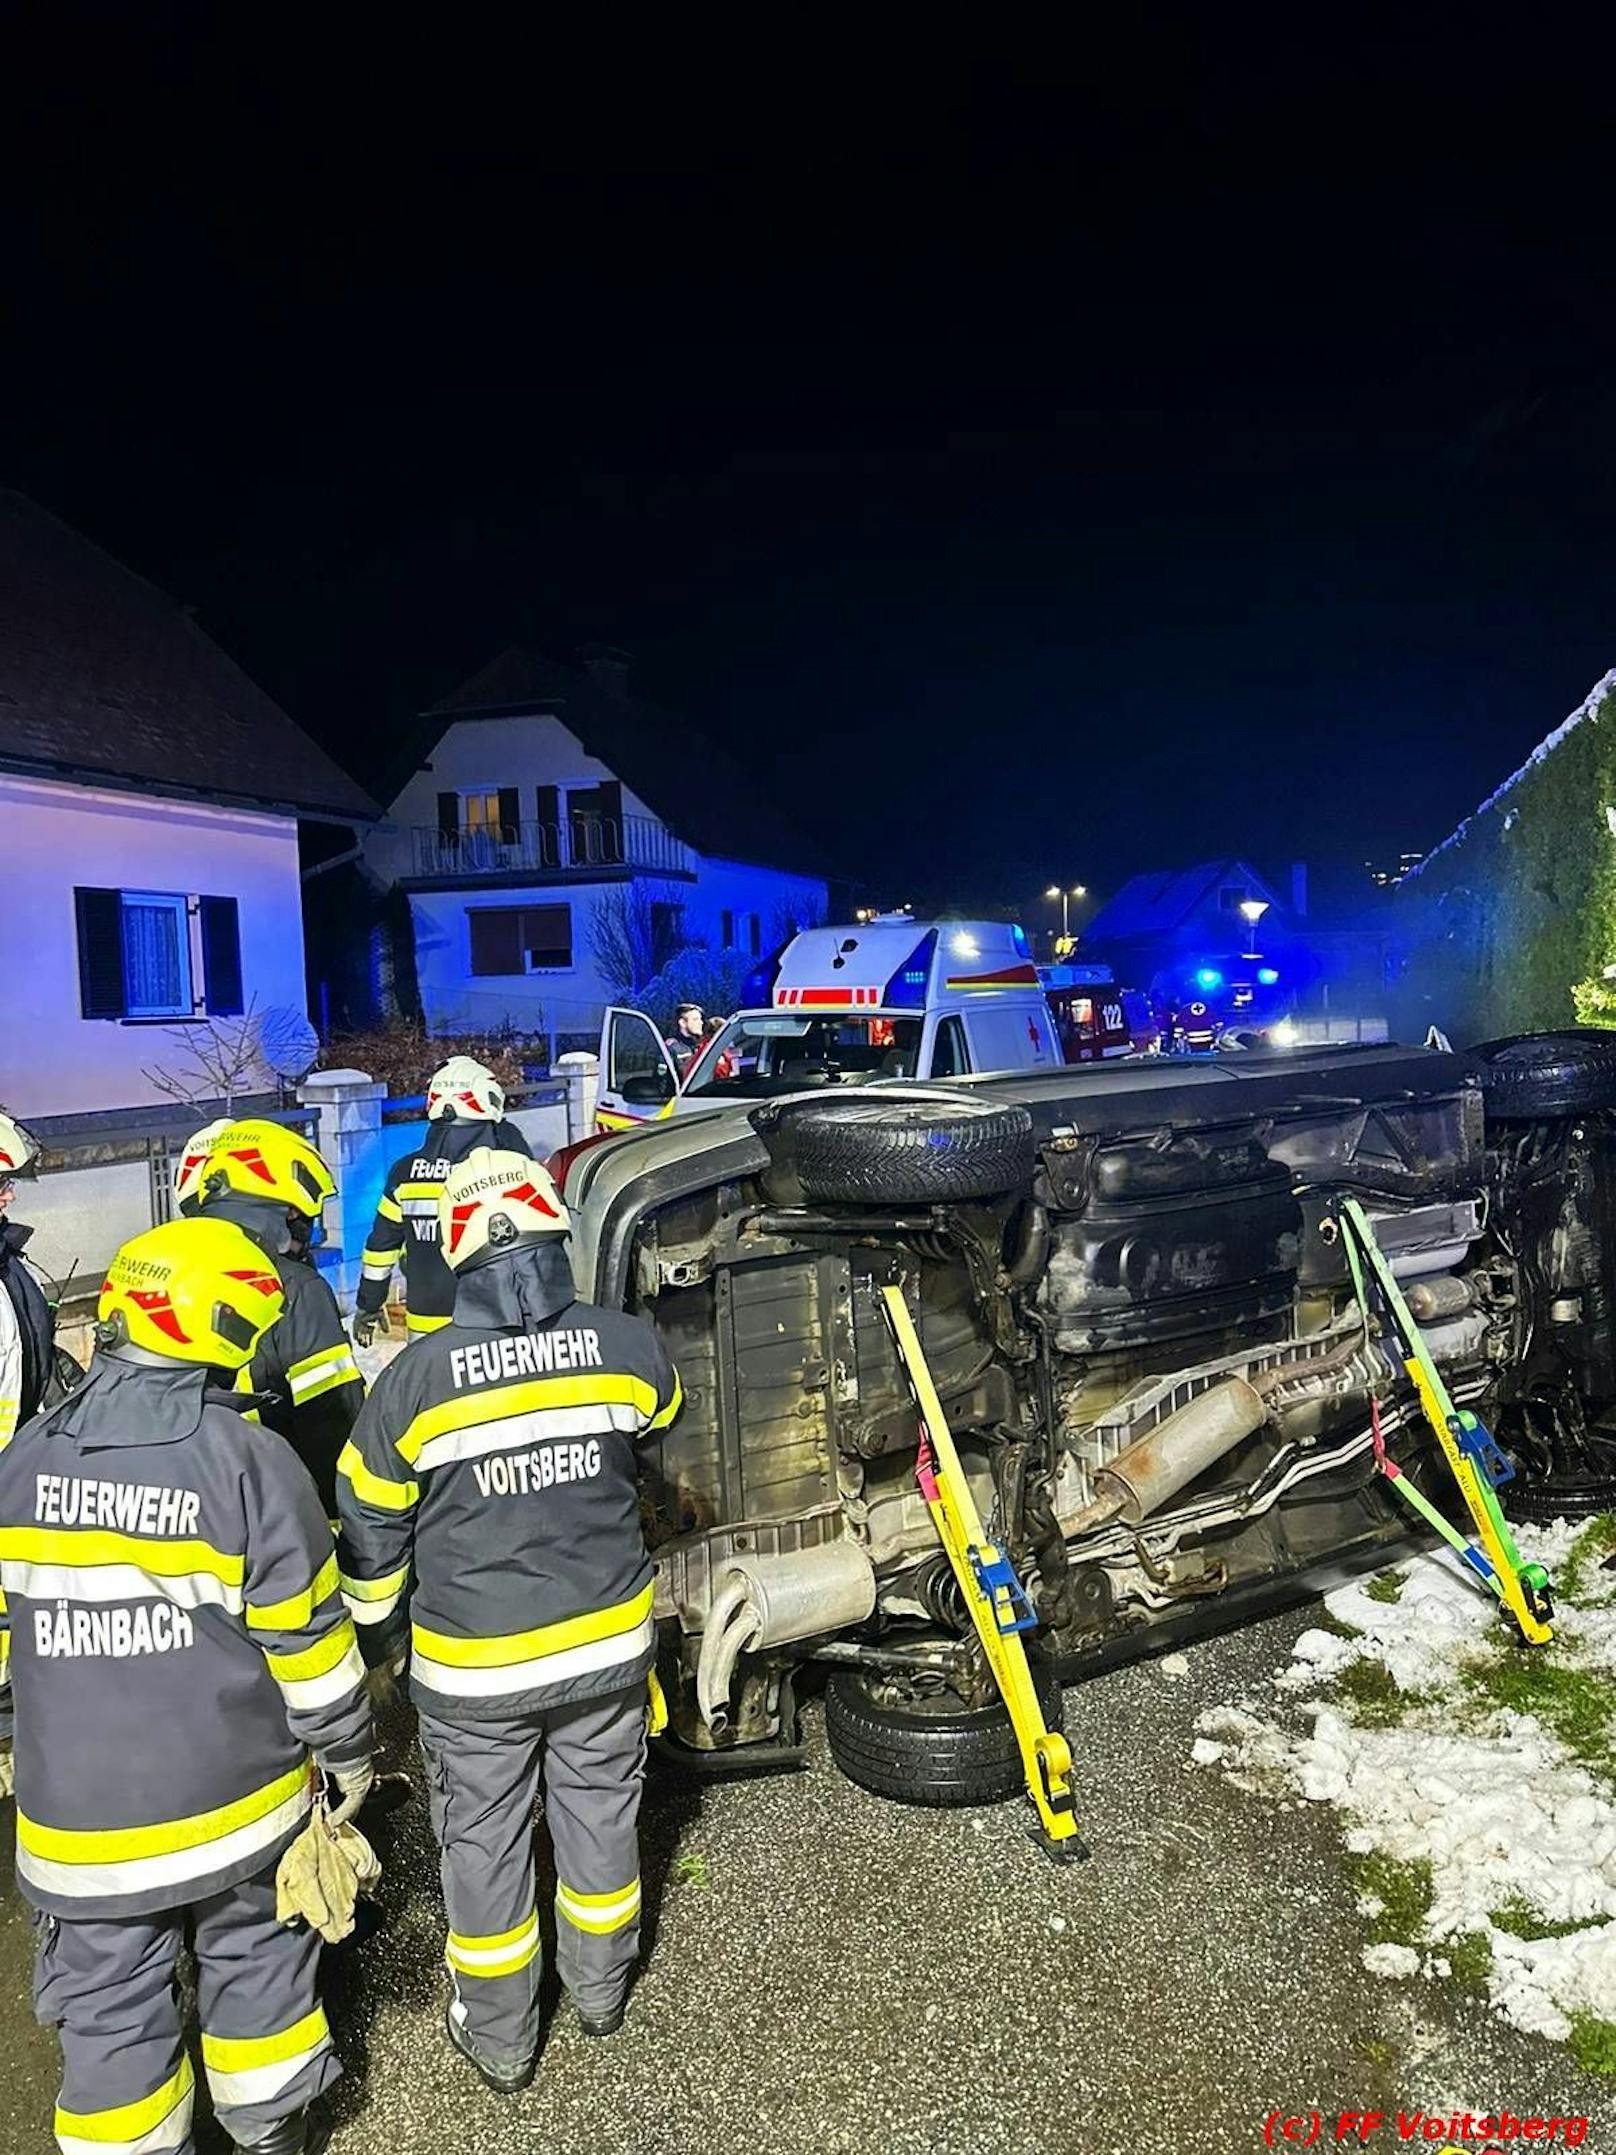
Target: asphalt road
[827,1973]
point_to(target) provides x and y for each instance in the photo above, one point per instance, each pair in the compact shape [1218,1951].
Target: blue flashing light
[906,990]
[1019,939]
[1208,977]
[1267,977]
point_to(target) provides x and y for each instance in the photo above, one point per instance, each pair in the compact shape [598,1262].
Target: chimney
[607,667]
[1299,889]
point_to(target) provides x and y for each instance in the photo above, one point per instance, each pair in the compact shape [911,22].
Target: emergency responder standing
[494,1463]
[179,1647]
[465,1108]
[272,1183]
[688,1038]
[27,1334]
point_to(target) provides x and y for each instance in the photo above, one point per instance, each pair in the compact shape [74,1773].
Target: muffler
[764,1601]
[1141,1479]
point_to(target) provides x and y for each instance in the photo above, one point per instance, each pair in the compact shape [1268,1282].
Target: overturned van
[1129,1287]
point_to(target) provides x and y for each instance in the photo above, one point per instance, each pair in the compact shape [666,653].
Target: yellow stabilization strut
[993,1594]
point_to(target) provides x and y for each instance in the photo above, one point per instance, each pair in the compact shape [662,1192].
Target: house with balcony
[549,815]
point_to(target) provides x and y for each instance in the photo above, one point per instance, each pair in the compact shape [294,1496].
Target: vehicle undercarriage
[1131,1294]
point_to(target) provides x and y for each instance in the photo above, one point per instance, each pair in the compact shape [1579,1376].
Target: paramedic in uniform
[178,1648]
[493,1469]
[465,1108]
[271,1183]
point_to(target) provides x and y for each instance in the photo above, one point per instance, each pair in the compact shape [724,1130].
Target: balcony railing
[576,848]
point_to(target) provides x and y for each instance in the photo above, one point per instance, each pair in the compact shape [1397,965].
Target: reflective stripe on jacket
[498,1468]
[177,1644]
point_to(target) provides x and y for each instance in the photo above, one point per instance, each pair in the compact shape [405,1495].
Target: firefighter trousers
[110,1987]
[485,1777]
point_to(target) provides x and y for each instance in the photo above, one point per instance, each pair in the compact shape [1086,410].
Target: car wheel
[932,1750]
[910,1151]
[1533,1075]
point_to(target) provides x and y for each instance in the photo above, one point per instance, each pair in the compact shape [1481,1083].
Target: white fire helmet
[18,1151]
[494,1202]
[463,1087]
[193,1158]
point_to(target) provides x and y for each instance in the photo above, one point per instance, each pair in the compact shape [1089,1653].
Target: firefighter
[178,1649]
[494,1467]
[465,1108]
[27,1334]
[272,1183]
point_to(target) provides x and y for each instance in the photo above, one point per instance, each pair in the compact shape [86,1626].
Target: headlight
[1283,1035]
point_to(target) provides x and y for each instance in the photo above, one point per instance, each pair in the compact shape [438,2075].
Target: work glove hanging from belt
[321,1876]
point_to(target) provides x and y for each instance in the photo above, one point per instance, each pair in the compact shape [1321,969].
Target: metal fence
[575,848]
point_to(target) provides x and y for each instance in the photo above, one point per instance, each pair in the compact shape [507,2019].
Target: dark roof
[697,788]
[1162,902]
[103,677]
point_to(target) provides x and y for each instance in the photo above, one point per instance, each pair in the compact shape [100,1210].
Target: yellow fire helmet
[264,1159]
[194,1157]
[463,1087]
[494,1202]
[192,1291]
[18,1151]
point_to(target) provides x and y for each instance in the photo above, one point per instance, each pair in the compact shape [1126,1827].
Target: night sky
[1040,473]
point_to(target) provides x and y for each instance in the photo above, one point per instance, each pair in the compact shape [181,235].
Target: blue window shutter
[221,957]
[99,915]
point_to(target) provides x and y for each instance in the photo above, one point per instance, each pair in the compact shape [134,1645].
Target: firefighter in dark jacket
[179,1659]
[493,1470]
[272,1183]
[465,1109]
[27,1335]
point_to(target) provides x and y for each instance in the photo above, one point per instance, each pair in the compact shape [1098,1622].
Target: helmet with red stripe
[261,1159]
[463,1087]
[191,1291]
[192,1160]
[18,1151]
[495,1202]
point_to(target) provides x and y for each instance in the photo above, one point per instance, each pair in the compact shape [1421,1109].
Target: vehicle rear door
[638,1081]
[1011,1035]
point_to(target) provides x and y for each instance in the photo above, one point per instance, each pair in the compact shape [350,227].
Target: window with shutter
[496,940]
[221,957]
[508,939]
[99,918]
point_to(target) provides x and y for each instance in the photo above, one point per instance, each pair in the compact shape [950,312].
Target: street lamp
[1055,890]
[1251,911]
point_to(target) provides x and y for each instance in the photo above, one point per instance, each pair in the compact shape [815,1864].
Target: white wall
[53,1061]
[454,999]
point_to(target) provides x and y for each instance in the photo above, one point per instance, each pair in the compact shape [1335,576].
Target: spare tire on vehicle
[932,1750]
[1533,1075]
[908,1151]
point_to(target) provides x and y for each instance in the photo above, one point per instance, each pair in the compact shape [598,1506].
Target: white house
[149,798]
[546,803]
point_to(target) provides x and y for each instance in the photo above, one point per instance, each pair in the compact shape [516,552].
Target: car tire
[1532,1076]
[909,1151]
[942,1758]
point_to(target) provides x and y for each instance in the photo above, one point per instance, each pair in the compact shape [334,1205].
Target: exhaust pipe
[1141,1479]
[763,1601]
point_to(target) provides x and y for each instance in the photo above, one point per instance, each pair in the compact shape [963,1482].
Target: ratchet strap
[1474,1459]
[993,1594]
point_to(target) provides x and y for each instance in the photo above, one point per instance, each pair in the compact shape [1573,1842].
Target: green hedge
[1509,927]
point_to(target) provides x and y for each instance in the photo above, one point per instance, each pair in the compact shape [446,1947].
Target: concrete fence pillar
[349,1136]
[582,1073]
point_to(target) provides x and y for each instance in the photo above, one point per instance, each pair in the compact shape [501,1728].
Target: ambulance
[886,999]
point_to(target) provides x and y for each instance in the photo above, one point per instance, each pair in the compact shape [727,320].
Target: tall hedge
[1501,925]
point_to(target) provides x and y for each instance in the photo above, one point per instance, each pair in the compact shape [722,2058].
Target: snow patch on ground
[1490,1799]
